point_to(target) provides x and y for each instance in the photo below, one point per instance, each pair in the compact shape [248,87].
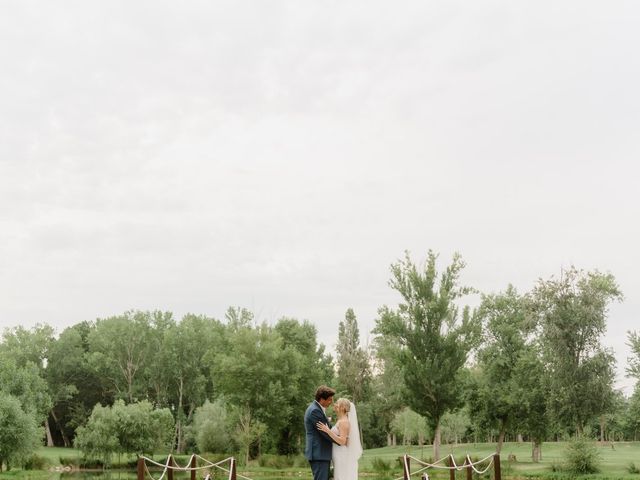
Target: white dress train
[345,457]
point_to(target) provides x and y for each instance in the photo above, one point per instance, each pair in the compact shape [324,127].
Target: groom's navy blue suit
[318,444]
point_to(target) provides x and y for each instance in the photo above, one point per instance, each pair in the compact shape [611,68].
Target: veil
[355,444]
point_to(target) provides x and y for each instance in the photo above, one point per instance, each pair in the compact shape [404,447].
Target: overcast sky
[280,155]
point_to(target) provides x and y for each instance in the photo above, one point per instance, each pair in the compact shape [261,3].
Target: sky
[281,155]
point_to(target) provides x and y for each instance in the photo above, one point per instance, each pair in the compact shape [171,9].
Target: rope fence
[449,463]
[192,466]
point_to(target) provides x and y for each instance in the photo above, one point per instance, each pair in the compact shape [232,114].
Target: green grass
[614,462]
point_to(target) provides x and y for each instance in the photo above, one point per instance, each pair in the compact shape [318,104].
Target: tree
[434,342]
[134,428]
[99,437]
[531,397]
[30,349]
[388,394]
[410,426]
[354,371]
[494,396]
[65,362]
[212,427]
[121,348]
[249,373]
[68,368]
[19,432]
[179,370]
[572,312]
[306,365]
[455,425]
[633,370]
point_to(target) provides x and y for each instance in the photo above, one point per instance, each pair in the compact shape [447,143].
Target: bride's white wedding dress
[345,457]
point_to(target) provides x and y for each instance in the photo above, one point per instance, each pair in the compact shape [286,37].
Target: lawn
[614,461]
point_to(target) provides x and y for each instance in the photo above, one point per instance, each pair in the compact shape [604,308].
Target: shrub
[379,465]
[69,461]
[582,457]
[300,461]
[275,461]
[36,462]
[631,468]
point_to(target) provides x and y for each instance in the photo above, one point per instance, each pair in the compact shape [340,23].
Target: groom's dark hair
[324,392]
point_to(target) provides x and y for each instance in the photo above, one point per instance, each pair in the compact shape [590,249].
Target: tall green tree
[354,369]
[531,395]
[249,374]
[180,367]
[212,427]
[19,432]
[387,394]
[633,369]
[434,339]
[306,365]
[121,348]
[68,368]
[494,395]
[572,313]
[30,348]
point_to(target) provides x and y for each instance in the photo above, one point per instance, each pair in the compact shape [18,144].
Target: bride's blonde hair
[343,404]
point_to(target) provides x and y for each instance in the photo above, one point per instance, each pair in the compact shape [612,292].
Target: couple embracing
[340,443]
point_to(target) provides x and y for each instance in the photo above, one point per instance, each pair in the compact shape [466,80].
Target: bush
[582,457]
[36,462]
[631,468]
[379,465]
[69,461]
[300,461]
[275,461]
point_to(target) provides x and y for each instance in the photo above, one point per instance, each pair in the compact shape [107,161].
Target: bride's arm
[343,427]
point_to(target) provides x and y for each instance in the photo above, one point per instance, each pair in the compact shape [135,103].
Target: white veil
[355,445]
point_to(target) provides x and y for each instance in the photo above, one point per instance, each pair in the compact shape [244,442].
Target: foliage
[19,433]
[582,457]
[432,343]
[36,462]
[455,425]
[135,428]
[353,367]
[381,466]
[572,312]
[495,394]
[121,347]
[276,461]
[633,369]
[212,428]
[410,426]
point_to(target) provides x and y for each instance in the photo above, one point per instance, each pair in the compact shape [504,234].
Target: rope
[473,465]
[207,465]
[468,463]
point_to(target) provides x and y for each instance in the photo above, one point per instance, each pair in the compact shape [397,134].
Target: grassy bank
[614,464]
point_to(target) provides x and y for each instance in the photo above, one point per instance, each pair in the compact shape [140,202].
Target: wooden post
[169,467]
[192,465]
[497,475]
[452,470]
[232,469]
[406,468]
[468,462]
[140,468]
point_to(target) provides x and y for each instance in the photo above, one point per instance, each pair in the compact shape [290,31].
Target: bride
[346,435]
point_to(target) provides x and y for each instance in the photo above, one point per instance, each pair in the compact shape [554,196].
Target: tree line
[528,366]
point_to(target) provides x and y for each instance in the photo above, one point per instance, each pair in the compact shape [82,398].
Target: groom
[318,444]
